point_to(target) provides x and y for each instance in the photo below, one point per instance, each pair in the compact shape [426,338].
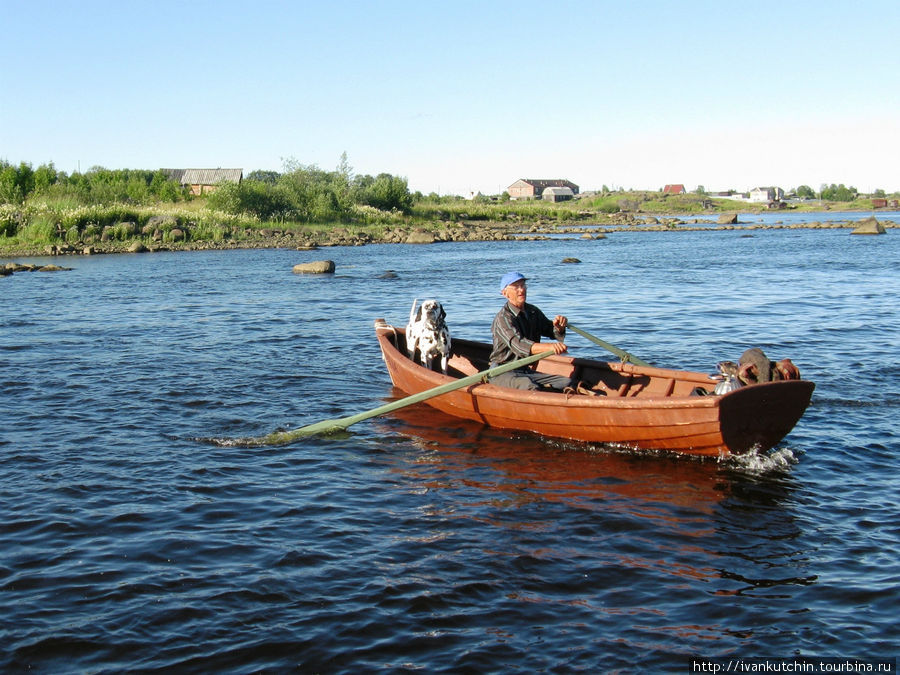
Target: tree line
[301,193]
[96,186]
[308,194]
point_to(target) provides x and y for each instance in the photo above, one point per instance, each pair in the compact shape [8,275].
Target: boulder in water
[315,267]
[869,226]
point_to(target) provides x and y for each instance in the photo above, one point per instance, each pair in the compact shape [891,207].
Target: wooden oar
[621,353]
[330,426]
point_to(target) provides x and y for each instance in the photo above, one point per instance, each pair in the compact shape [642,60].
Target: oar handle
[621,353]
[329,426]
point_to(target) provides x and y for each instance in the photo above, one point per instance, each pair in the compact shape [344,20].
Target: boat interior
[613,379]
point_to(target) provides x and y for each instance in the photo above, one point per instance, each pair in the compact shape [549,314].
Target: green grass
[39,231]
[41,222]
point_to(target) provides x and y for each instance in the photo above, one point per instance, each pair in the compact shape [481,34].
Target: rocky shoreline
[453,232]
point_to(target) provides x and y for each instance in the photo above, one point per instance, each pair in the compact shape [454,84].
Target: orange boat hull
[645,408]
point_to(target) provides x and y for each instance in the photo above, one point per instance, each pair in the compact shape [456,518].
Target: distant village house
[675,189]
[204,181]
[557,194]
[766,194]
[534,188]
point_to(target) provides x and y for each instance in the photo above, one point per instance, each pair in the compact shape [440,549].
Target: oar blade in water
[332,426]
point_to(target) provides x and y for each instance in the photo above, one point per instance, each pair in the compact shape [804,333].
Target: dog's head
[432,312]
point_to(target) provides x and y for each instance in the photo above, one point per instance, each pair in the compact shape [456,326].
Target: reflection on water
[578,474]
[639,526]
[692,500]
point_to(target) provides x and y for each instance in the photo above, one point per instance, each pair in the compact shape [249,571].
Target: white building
[766,194]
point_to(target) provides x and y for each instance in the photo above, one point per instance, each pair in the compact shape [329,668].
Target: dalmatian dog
[427,331]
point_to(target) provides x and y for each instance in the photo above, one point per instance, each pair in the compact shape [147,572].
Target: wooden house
[204,181]
[533,188]
[674,189]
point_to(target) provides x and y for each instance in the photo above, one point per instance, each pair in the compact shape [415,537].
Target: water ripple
[140,533]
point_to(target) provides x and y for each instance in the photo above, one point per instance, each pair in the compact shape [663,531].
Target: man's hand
[555,347]
[560,323]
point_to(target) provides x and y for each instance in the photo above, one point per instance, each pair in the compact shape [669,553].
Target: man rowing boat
[517,330]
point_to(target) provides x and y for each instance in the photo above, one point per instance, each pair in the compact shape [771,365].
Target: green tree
[10,193]
[165,189]
[384,192]
[839,193]
[344,169]
[343,184]
[44,177]
[269,177]
[805,192]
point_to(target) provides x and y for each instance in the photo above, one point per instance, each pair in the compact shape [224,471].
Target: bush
[262,200]
[384,192]
[10,219]
[91,232]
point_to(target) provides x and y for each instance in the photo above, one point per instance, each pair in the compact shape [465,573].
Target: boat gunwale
[554,398]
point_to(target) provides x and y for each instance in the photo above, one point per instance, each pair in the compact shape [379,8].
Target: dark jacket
[514,332]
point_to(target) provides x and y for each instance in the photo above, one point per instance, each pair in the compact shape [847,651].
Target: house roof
[174,174]
[205,176]
[211,176]
[543,183]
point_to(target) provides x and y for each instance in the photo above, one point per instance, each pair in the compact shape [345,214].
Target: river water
[130,541]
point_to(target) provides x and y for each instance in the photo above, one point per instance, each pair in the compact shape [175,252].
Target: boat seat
[622,390]
[463,364]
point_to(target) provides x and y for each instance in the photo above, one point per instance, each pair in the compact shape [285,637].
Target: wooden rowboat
[643,408]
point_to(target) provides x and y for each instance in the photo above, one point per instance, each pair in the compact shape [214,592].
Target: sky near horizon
[462,96]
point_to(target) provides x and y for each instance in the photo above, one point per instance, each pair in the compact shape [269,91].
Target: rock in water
[315,267]
[869,226]
[421,237]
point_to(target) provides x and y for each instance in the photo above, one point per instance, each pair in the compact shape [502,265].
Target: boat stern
[759,416]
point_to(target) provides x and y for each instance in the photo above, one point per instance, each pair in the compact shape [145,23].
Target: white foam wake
[762,463]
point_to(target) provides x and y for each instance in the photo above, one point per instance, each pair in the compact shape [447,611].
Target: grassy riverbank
[42,227]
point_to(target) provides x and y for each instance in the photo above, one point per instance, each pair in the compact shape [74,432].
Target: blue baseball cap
[510,278]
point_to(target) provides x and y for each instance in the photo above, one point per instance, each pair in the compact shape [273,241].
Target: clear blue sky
[462,96]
